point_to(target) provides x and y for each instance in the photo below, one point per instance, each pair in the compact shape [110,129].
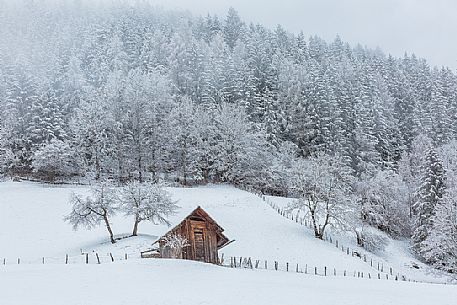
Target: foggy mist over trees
[137,93]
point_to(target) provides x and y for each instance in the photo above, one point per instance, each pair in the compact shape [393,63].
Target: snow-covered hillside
[32,227]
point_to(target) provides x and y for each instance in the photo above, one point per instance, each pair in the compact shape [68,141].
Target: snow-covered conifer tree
[429,196]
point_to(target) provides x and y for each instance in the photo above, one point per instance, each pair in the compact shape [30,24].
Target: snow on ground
[173,282]
[32,227]
[397,254]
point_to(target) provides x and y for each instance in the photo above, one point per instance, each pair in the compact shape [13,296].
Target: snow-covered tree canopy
[324,186]
[384,202]
[146,201]
[93,210]
[141,92]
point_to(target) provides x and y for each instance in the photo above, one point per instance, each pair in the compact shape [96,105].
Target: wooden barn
[203,237]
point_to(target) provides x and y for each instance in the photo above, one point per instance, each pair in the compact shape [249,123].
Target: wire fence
[303,220]
[259,264]
[83,258]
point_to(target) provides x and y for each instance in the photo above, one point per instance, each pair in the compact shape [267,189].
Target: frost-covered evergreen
[429,197]
[440,246]
[110,83]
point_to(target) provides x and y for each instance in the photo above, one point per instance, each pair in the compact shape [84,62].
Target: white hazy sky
[425,27]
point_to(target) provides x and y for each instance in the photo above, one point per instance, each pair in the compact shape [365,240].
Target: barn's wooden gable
[204,238]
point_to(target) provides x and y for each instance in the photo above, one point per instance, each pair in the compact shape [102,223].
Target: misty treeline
[137,93]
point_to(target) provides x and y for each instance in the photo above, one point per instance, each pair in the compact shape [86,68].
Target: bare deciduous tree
[93,210]
[324,187]
[146,201]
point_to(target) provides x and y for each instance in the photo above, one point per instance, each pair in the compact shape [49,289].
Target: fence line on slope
[87,258]
[91,258]
[259,264]
[304,221]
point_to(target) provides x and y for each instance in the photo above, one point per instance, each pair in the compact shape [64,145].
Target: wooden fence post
[18,260]
[43,260]
[287,267]
[325,271]
[112,258]
[66,259]
[126,256]
[98,258]
[87,258]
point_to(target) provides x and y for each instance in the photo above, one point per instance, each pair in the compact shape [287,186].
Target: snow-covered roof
[202,213]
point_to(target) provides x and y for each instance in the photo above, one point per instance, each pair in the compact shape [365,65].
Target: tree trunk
[135,226]
[140,162]
[140,170]
[359,236]
[108,227]
[317,232]
[97,167]
[184,161]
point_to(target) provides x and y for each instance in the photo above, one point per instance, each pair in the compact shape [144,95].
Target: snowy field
[32,227]
[166,282]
